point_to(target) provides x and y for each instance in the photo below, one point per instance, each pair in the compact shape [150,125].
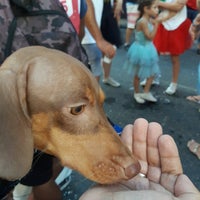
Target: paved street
[179,117]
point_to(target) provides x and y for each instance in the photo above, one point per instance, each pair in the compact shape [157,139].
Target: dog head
[53,99]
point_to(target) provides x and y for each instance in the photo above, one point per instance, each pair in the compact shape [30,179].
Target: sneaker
[111,81]
[138,98]
[148,96]
[155,82]
[171,89]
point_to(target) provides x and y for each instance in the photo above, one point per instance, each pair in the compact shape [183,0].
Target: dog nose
[132,170]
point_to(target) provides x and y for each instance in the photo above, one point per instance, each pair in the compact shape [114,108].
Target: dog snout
[132,170]
[128,163]
[115,169]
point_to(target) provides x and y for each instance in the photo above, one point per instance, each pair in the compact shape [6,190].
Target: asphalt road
[178,117]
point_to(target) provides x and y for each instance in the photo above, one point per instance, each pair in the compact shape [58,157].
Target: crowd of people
[96,24]
[169,21]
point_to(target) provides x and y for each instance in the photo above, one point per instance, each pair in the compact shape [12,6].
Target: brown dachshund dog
[50,101]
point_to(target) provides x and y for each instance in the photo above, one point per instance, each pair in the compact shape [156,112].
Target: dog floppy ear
[16,142]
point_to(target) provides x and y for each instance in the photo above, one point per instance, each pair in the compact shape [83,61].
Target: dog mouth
[111,172]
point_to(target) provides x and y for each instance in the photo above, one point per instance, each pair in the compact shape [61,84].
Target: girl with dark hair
[142,54]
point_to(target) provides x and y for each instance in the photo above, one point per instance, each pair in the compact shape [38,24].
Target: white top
[68,6]
[175,21]
[98,8]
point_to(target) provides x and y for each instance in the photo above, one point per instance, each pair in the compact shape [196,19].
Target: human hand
[107,48]
[160,164]
[195,27]
[155,22]
[192,32]
[196,21]
[165,15]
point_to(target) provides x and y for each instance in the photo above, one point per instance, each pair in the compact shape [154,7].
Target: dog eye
[77,110]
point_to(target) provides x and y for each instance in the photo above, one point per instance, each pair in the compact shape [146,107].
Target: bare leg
[8,197]
[106,69]
[148,84]
[129,32]
[136,82]
[49,191]
[175,68]
[175,73]
[107,79]
[57,168]
[97,78]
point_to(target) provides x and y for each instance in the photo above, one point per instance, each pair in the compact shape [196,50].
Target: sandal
[194,147]
[194,98]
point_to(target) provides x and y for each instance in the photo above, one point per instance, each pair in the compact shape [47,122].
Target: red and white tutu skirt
[173,42]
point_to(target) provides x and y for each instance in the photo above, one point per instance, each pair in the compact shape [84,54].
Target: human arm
[83,11]
[195,27]
[82,29]
[143,26]
[160,163]
[165,15]
[91,24]
[169,9]
[174,6]
[198,4]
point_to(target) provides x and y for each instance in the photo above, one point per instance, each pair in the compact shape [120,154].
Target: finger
[170,162]
[127,136]
[154,170]
[140,128]
[111,50]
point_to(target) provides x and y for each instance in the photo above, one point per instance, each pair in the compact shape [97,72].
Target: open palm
[161,175]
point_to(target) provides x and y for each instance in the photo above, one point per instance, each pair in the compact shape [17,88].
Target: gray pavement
[178,117]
